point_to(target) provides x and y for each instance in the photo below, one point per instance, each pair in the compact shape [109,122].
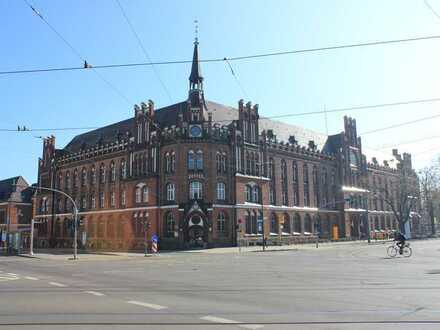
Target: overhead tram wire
[141,45]
[236,78]
[223,59]
[85,67]
[355,108]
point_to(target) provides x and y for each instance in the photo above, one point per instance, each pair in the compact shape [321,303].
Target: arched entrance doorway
[196,233]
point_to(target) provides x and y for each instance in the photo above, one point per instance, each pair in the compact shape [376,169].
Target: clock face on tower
[195,131]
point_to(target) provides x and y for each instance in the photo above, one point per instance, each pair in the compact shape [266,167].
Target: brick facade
[204,174]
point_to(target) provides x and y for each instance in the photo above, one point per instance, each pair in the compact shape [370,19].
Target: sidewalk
[64,254]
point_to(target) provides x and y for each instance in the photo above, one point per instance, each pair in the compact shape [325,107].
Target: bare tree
[430,192]
[402,197]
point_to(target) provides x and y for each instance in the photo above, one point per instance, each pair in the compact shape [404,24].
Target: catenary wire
[141,45]
[223,59]
[66,42]
[354,108]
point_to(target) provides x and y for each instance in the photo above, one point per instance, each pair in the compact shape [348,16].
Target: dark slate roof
[8,186]
[196,72]
[167,116]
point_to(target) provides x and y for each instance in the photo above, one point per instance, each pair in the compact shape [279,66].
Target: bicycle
[393,250]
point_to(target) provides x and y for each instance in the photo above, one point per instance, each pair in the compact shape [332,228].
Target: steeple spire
[195,78]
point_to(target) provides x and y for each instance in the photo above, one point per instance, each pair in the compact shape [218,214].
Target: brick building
[196,170]
[15,210]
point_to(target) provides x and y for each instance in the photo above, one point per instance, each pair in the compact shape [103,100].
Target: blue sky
[281,85]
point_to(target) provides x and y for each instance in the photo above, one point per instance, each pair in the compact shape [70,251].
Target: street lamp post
[75,216]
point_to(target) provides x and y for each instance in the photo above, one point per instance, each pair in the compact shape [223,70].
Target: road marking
[215,319]
[61,285]
[98,294]
[152,306]
[31,278]
[6,277]
[12,274]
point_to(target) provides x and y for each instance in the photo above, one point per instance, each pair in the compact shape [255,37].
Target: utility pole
[31,248]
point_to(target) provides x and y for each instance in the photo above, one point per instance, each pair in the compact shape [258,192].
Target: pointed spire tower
[196,99]
[195,78]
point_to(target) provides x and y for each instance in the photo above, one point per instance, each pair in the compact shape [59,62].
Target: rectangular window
[112,199]
[101,199]
[123,198]
[221,194]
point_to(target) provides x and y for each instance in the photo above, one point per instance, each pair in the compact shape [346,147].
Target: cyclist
[400,239]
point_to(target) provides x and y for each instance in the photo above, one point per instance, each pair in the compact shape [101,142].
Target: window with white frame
[113,172]
[102,174]
[138,197]
[112,199]
[83,202]
[199,160]
[123,169]
[83,177]
[145,194]
[221,191]
[123,198]
[171,192]
[101,199]
[221,223]
[93,202]
[195,190]
[93,175]
[170,225]
[191,160]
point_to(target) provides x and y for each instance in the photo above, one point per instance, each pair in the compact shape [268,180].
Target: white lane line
[215,319]
[143,304]
[95,293]
[31,278]
[12,274]
[61,285]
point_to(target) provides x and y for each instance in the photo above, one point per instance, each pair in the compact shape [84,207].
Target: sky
[285,84]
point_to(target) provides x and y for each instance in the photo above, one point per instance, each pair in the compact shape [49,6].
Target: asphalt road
[353,286]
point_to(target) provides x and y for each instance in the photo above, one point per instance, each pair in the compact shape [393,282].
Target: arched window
[224,161]
[112,172]
[286,225]
[195,190]
[102,173]
[138,195]
[199,160]
[295,184]
[218,161]
[171,192]
[297,223]
[191,160]
[75,178]
[173,162]
[123,169]
[93,175]
[248,190]
[273,224]
[167,163]
[221,191]
[307,224]
[284,182]
[221,223]
[145,194]
[59,178]
[306,185]
[256,194]
[170,225]
[68,180]
[316,185]
[83,177]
